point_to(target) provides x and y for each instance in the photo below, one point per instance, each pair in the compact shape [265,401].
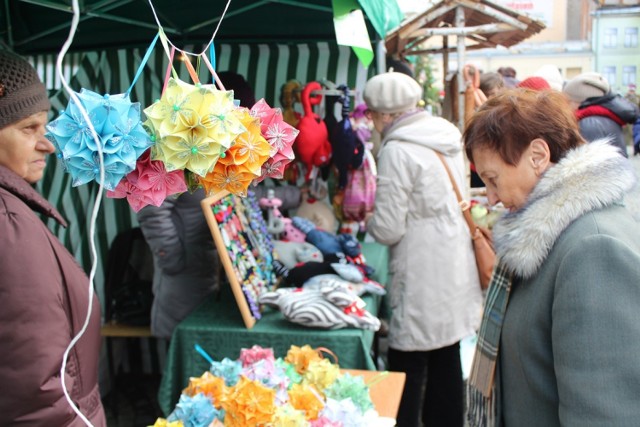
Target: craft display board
[245,249]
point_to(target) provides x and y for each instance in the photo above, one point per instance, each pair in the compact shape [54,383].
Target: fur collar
[589,177]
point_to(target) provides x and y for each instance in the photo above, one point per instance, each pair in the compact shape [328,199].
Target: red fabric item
[535,83]
[312,146]
[598,110]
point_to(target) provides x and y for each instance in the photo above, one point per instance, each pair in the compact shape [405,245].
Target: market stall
[267,52]
[217,326]
[189,136]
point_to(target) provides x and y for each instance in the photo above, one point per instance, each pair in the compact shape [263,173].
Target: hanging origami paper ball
[209,385]
[242,162]
[321,373]
[192,126]
[352,387]
[305,398]
[280,135]
[250,149]
[248,403]
[287,415]
[116,121]
[149,184]
[196,411]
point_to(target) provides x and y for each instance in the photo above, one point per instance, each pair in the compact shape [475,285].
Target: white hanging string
[210,40]
[96,206]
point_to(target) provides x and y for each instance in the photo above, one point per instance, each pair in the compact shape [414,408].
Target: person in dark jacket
[184,257]
[43,290]
[601,114]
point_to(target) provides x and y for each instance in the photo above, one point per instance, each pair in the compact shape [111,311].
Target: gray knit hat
[392,93]
[586,85]
[21,91]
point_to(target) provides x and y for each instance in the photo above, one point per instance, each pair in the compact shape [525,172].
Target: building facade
[580,36]
[615,43]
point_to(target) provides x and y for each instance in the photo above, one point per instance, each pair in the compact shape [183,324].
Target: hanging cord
[96,206]
[210,40]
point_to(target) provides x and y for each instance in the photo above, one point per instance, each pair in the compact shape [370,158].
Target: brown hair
[491,83]
[509,121]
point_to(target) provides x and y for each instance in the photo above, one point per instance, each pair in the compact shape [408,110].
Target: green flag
[385,15]
[351,30]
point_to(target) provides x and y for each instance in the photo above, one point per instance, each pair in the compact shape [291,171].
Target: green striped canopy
[265,66]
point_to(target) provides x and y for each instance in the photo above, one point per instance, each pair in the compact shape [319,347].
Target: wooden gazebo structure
[476,24]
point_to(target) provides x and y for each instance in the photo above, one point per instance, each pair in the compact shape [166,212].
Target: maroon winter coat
[44,295]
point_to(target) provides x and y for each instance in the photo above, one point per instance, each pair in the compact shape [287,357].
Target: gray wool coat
[569,348]
[185,259]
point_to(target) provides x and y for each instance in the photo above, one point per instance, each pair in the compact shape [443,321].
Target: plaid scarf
[481,388]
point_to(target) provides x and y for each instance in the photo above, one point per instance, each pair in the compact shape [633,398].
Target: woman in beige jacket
[435,294]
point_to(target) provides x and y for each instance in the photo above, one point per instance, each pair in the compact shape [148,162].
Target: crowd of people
[557,340]
[558,336]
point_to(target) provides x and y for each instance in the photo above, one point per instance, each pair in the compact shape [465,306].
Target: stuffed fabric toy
[360,123]
[329,101]
[327,242]
[347,150]
[312,146]
[360,288]
[318,212]
[291,254]
[289,95]
[331,306]
[332,264]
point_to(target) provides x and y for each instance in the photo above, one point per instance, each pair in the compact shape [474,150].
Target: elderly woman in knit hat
[44,291]
[559,340]
[600,113]
[435,294]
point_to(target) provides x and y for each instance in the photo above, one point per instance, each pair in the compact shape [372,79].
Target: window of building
[628,75]
[610,37]
[609,73]
[631,37]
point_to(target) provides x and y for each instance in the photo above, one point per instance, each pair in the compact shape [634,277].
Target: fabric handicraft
[360,192]
[481,388]
[330,306]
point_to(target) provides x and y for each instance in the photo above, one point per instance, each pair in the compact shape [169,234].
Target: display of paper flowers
[194,135]
[193,128]
[258,390]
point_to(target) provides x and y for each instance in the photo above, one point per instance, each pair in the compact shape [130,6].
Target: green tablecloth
[218,327]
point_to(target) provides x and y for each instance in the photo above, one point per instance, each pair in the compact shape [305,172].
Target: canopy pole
[460,23]
[445,60]
[9,29]
[381,57]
